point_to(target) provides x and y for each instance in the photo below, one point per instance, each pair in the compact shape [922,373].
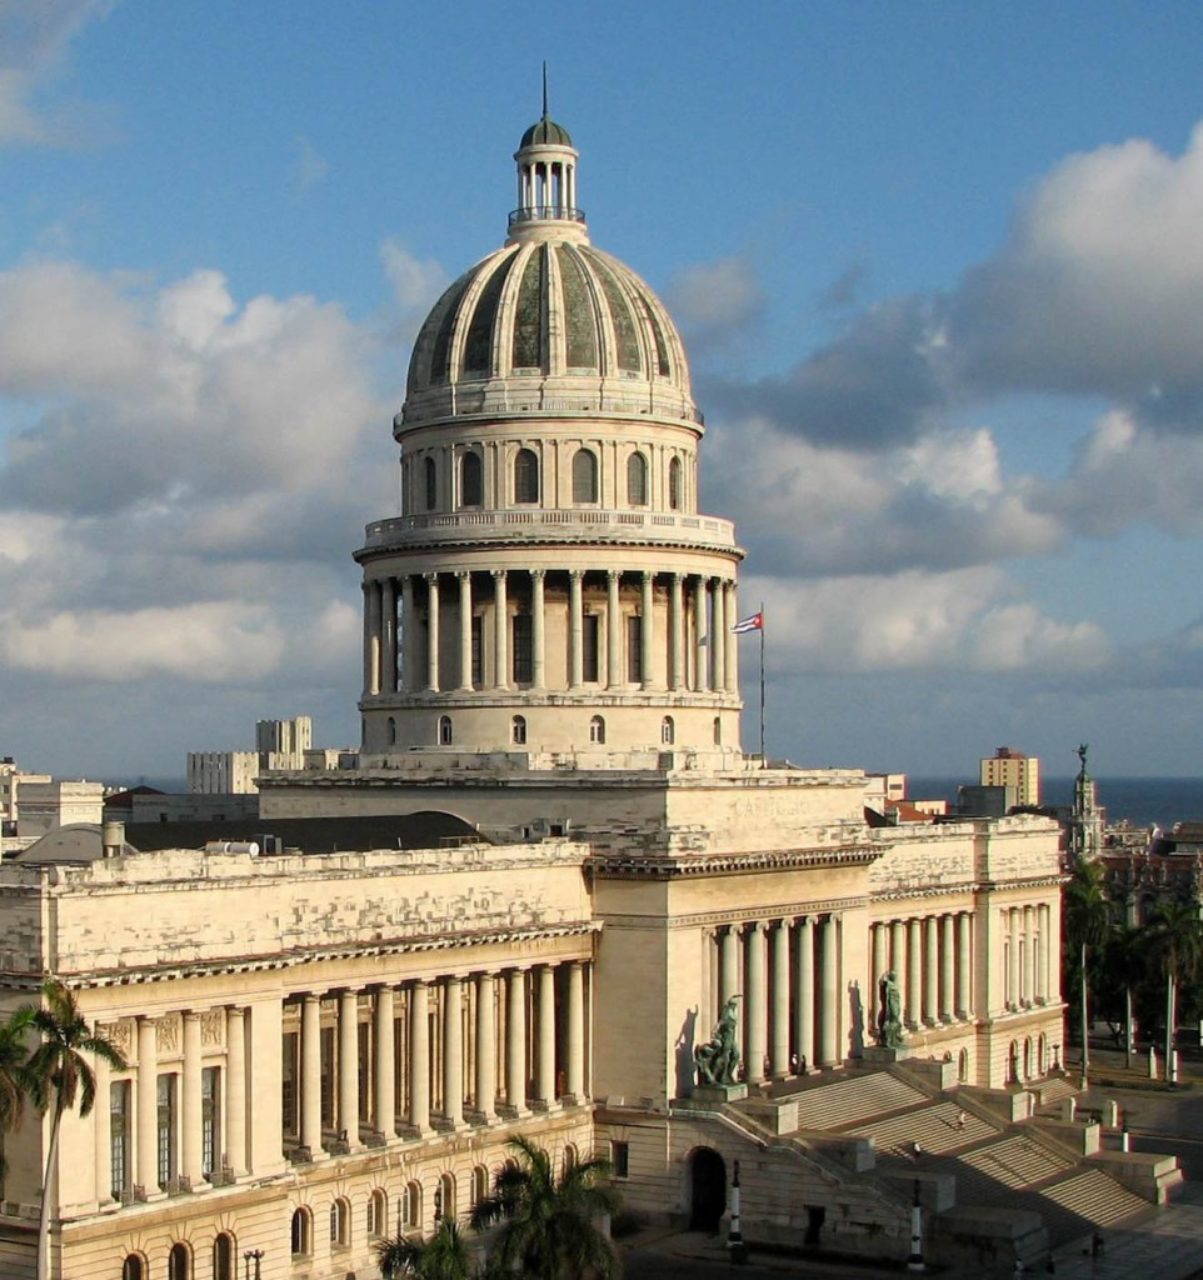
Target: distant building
[284,737]
[279,744]
[1010,768]
[44,805]
[988,801]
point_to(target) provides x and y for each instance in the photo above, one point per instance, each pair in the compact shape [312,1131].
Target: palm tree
[445,1256]
[550,1227]
[55,1074]
[1086,930]
[1125,958]
[13,1053]
[1175,941]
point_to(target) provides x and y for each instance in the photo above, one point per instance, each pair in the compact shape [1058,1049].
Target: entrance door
[708,1189]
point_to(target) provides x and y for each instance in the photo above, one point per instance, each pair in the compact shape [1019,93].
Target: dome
[546,133]
[548,324]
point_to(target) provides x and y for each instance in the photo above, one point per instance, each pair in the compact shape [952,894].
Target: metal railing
[545,213]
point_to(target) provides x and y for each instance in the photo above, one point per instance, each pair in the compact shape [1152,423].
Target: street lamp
[737,1250]
[256,1254]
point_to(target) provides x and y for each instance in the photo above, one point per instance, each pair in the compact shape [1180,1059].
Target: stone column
[576,626]
[880,966]
[947,967]
[501,623]
[235,1109]
[190,1101]
[409,650]
[780,1029]
[728,965]
[102,1133]
[1042,985]
[700,672]
[432,632]
[647,647]
[676,627]
[538,624]
[369,654]
[718,637]
[545,1083]
[515,1048]
[576,1031]
[614,671]
[1029,957]
[931,973]
[453,1053]
[486,1048]
[384,1094]
[465,628]
[731,682]
[388,611]
[914,977]
[1013,967]
[348,1066]
[964,965]
[829,1051]
[898,959]
[804,1013]
[419,1057]
[148,1108]
[755,1003]
[311,1075]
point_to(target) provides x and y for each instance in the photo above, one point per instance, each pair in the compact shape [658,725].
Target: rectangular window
[119,1138]
[590,646]
[327,1077]
[478,650]
[523,648]
[290,1073]
[166,1130]
[635,649]
[620,1158]
[210,1120]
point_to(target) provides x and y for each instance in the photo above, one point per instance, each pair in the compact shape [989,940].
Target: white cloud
[713,300]
[309,166]
[415,282]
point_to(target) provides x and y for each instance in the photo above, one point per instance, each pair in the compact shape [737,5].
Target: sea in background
[1142,801]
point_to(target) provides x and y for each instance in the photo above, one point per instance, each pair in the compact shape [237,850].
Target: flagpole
[763,761]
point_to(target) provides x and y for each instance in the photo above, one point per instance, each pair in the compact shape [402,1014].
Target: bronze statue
[889,1020]
[718,1059]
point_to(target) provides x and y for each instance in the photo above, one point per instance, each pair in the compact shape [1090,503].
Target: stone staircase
[845,1103]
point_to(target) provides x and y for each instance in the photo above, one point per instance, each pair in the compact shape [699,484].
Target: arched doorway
[707,1189]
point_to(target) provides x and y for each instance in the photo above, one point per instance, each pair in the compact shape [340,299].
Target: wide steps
[1016,1162]
[938,1128]
[1094,1196]
[852,1101]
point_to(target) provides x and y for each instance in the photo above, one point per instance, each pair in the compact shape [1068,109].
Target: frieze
[167,1034]
[213,1027]
[120,1035]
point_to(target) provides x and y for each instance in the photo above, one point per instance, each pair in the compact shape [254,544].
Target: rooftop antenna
[544,88]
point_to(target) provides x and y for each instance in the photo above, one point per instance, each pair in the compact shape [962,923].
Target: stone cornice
[624,866]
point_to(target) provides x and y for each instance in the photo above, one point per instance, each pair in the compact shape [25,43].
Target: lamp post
[256,1255]
[737,1250]
[915,1262]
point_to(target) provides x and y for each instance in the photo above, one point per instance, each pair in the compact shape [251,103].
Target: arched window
[471,480]
[411,1206]
[445,1208]
[340,1224]
[133,1268]
[430,475]
[223,1257]
[570,1157]
[637,480]
[377,1213]
[480,1184]
[674,484]
[518,731]
[963,1066]
[597,730]
[584,476]
[718,731]
[668,731]
[526,476]
[392,731]
[302,1232]
[445,735]
[179,1263]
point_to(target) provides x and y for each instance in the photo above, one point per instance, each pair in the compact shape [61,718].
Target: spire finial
[544,88]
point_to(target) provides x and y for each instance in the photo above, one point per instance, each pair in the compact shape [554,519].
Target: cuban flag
[753,622]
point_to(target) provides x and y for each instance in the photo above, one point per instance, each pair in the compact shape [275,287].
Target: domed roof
[546,133]
[548,324]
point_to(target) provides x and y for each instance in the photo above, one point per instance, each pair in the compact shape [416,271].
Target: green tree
[549,1229]
[1175,946]
[56,1074]
[13,1054]
[1086,921]
[445,1256]
[1123,973]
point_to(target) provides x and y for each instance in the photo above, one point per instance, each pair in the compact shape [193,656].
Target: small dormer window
[584,476]
[637,480]
[471,480]
[674,484]
[526,476]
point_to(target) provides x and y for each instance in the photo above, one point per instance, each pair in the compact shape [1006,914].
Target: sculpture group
[717,1060]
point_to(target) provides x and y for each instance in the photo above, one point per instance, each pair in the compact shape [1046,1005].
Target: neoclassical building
[326,1048]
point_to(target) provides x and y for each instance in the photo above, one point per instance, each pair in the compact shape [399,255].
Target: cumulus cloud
[34,40]
[713,301]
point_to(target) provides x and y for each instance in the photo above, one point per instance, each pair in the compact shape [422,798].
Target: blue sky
[938,268]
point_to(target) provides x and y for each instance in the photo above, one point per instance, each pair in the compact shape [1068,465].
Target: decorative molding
[213,1027]
[167,1034]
